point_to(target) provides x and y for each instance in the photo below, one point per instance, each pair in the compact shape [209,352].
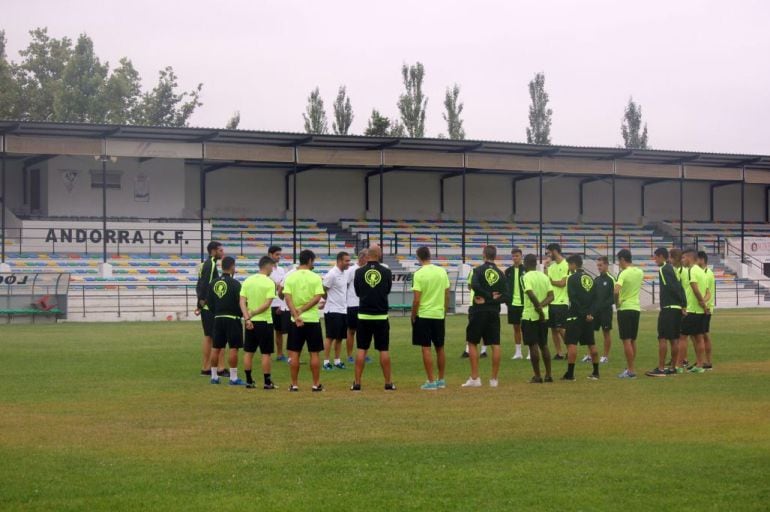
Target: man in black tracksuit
[580,316]
[514,279]
[372,283]
[488,291]
[207,274]
[604,288]
[672,301]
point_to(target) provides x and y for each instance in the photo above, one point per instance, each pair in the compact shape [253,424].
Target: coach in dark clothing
[672,301]
[207,274]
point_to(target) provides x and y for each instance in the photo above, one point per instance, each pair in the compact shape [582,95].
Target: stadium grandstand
[124,212]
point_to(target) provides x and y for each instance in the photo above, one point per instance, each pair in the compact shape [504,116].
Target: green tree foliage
[452,115]
[343,113]
[539,130]
[315,115]
[164,106]
[40,73]
[234,121]
[79,95]
[10,92]
[412,103]
[381,126]
[630,128]
[122,94]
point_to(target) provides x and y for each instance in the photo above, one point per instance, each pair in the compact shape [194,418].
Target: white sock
[337,361]
[484,349]
[233,373]
[214,372]
[326,361]
[518,350]
[467,348]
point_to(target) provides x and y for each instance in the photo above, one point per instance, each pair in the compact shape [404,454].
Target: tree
[381,126]
[40,72]
[452,114]
[632,122]
[539,130]
[234,121]
[164,106]
[412,103]
[10,93]
[343,113]
[78,96]
[315,115]
[122,94]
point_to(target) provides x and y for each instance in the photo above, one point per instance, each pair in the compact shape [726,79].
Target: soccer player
[604,290]
[557,271]
[538,294]
[672,301]
[430,285]
[373,282]
[336,310]
[352,303]
[710,297]
[302,290]
[627,291]
[279,311]
[465,354]
[513,278]
[207,274]
[257,294]
[695,284]
[580,318]
[224,300]
[488,292]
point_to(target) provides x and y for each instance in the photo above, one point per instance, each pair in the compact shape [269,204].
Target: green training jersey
[557,272]
[303,285]
[711,286]
[258,289]
[432,282]
[630,281]
[540,284]
[696,275]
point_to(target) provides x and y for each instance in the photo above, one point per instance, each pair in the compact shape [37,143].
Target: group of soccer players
[562,298]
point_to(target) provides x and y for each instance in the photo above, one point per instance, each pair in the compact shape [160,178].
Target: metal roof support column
[382,229]
[294,208]
[465,169]
[681,206]
[743,213]
[540,206]
[614,212]
[4,201]
[202,197]
[104,200]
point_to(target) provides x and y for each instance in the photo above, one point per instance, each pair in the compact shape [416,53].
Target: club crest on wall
[69,178]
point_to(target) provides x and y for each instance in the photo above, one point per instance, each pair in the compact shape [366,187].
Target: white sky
[699,68]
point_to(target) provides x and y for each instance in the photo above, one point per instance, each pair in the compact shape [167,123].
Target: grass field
[114,416]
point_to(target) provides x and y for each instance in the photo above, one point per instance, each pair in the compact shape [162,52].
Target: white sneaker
[529,357]
[604,360]
[586,359]
[472,383]
[517,356]
[492,383]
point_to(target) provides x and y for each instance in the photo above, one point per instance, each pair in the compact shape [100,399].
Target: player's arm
[203,285]
[446,301]
[477,286]
[245,312]
[561,283]
[358,282]
[415,304]
[699,296]
[295,314]
[616,292]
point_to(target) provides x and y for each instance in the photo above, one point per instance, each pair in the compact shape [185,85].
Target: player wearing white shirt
[352,303]
[335,284]
[281,315]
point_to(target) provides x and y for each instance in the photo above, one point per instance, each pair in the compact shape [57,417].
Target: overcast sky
[700,69]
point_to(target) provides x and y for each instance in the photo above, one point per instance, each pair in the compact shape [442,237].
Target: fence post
[186,301]
[653,292]
[83,293]
[736,293]
[757,293]
[328,243]
[395,240]
[436,243]
[241,236]
[152,288]
[584,244]
[118,286]
[652,243]
[410,243]
[149,241]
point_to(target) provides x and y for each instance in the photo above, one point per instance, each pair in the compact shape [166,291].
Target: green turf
[114,416]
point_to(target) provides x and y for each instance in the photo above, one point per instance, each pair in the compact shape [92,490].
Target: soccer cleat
[340,365]
[696,369]
[517,356]
[670,371]
[604,360]
[679,370]
[685,363]
[529,357]
[465,355]
[288,360]
[281,358]
[586,359]
[536,380]
[293,388]
[441,384]
[328,366]
[493,383]
[270,385]
[593,376]
[568,377]
[215,381]
[626,375]
[657,372]
[351,360]
[355,387]
[318,388]
[548,379]
[559,357]
[483,355]
[223,373]
[429,386]
[237,382]
[708,366]
[472,383]
[205,373]
[250,385]
[390,386]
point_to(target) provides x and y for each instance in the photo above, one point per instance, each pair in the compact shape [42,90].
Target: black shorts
[207,320]
[534,332]
[261,336]
[336,326]
[557,315]
[281,319]
[483,325]
[352,319]
[707,324]
[579,331]
[514,314]
[693,324]
[377,329]
[228,332]
[603,320]
[428,330]
[628,324]
[669,324]
[309,333]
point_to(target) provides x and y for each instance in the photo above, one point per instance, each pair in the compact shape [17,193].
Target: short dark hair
[702,255]
[490,252]
[516,250]
[341,255]
[554,247]
[228,262]
[274,248]
[213,246]
[265,261]
[690,250]
[423,253]
[675,253]
[530,261]
[575,259]
[661,251]
[603,259]
[625,254]
[306,256]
